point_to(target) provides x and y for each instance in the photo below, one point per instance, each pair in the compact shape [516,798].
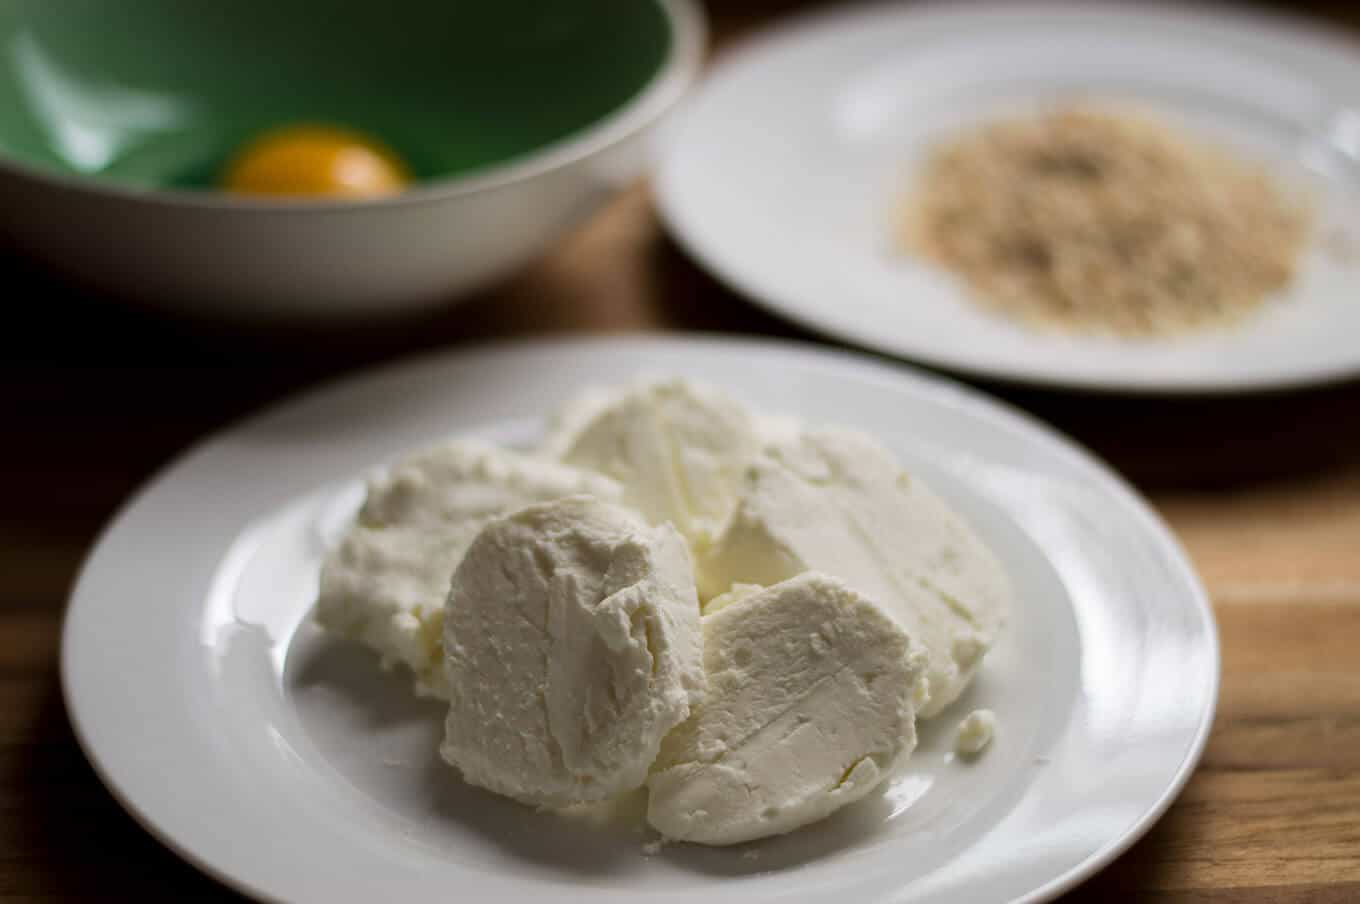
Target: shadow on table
[1211,444]
[152,372]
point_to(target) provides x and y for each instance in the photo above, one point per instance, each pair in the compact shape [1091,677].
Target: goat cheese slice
[572,647]
[837,502]
[675,447]
[809,706]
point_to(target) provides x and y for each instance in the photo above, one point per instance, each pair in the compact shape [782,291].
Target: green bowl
[515,117]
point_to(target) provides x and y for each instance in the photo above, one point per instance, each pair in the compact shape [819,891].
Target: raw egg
[316,161]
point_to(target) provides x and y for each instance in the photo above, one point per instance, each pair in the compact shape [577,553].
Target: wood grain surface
[1264,491]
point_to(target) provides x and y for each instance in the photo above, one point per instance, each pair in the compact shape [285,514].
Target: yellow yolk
[315,161]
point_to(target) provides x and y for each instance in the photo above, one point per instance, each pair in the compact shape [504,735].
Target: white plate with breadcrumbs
[784,175]
[288,765]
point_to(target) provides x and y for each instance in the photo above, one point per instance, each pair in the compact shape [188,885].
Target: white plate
[782,174]
[286,764]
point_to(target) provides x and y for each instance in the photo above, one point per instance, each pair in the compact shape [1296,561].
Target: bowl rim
[678,70]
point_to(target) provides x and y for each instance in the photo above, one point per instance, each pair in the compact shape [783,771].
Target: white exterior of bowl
[258,262]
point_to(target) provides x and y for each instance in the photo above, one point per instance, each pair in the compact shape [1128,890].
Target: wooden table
[1264,491]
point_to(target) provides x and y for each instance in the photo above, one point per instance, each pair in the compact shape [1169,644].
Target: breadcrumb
[1102,222]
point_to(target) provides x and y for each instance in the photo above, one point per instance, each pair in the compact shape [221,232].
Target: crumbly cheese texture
[809,707]
[975,732]
[735,594]
[677,449]
[385,583]
[554,600]
[837,502]
[572,647]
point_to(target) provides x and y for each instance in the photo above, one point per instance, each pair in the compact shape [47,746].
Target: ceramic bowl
[517,118]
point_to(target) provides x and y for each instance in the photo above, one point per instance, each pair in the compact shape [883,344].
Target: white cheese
[837,502]
[385,583]
[571,647]
[975,732]
[809,706]
[676,448]
[735,593]
[553,599]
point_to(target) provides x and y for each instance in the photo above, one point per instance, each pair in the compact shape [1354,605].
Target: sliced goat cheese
[837,502]
[810,704]
[676,448]
[572,647]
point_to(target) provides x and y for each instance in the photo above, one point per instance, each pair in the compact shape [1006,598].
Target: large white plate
[288,765]
[782,174]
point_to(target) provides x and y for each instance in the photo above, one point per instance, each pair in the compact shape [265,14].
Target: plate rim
[1292,29]
[939,389]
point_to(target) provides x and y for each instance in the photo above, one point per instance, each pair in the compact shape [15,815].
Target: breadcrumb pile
[1105,222]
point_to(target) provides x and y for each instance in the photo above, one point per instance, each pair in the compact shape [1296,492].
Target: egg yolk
[315,161]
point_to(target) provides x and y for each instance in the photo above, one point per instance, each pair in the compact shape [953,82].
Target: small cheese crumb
[975,732]
[652,848]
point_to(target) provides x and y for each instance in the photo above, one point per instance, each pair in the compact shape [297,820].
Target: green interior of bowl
[159,93]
